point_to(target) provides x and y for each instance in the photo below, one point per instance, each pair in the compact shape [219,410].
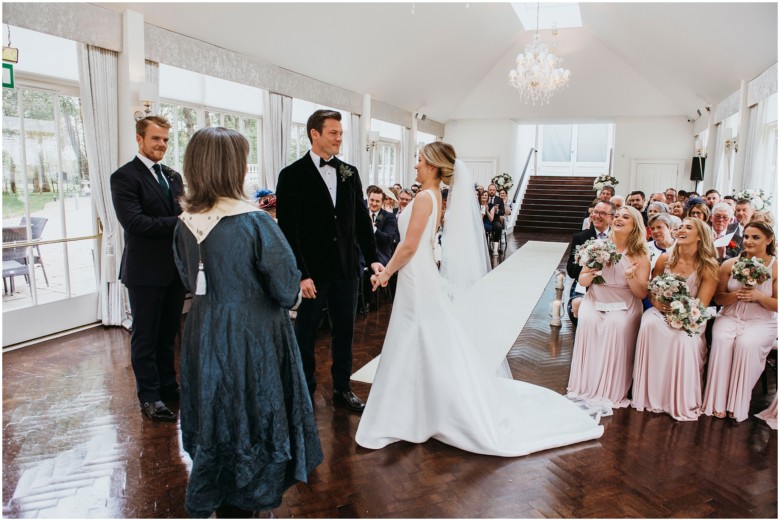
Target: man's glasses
[721,217]
[602,214]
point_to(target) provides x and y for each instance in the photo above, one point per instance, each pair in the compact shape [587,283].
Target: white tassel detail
[110,266]
[200,286]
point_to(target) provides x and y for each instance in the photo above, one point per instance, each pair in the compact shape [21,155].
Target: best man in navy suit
[385,225]
[319,204]
[146,200]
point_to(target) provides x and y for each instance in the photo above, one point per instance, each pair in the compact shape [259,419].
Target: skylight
[551,15]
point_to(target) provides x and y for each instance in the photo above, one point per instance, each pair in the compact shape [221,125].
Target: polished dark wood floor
[75,446]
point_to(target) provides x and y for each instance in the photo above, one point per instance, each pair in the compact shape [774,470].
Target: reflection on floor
[75,445]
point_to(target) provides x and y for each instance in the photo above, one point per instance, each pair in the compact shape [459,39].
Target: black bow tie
[332,162]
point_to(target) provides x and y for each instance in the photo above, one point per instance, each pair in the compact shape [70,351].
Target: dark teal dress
[246,415]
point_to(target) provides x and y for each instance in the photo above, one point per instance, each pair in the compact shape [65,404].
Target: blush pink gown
[603,358]
[668,365]
[742,337]
[769,415]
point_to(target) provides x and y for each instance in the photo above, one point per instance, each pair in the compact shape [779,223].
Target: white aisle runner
[496,308]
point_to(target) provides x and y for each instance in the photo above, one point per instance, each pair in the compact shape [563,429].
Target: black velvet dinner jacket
[148,218]
[324,238]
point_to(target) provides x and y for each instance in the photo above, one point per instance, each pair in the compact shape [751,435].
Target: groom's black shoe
[348,399]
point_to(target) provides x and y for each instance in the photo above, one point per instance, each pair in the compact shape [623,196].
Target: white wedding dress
[433,383]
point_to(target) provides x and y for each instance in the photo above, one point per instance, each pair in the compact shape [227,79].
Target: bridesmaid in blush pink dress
[668,365]
[769,415]
[609,317]
[744,331]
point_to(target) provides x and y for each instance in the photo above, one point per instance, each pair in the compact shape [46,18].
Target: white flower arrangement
[604,180]
[758,198]
[688,315]
[502,182]
[597,254]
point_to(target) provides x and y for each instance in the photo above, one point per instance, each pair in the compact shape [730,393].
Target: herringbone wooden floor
[75,445]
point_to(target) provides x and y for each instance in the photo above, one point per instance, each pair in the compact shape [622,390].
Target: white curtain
[98,82]
[719,166]
[276,135]
[354,140]
[753,173]
[405,162]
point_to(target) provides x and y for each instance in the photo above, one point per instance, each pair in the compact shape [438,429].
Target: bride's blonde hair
[442,156]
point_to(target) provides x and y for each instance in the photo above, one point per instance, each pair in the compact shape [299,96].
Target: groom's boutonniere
[169,172]
[345,172]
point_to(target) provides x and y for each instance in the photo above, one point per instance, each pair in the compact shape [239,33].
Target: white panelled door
[482,169]
[656,175]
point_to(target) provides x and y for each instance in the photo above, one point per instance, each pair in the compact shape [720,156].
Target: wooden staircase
[555,204]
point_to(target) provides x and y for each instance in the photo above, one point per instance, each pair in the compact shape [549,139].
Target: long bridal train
[433,382]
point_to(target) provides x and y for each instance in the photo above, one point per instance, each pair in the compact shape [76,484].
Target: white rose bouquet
[668,287]
[758,198]
[604,180]
[687,314]
[750,272]
[596,254]
[503,182]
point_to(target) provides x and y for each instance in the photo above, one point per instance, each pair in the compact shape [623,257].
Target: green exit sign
[8,75]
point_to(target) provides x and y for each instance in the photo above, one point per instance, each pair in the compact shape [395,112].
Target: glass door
[50,247]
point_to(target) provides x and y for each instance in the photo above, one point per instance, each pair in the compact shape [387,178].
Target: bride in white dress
[432,382]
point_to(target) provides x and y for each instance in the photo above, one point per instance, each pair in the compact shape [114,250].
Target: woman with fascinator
[432,381]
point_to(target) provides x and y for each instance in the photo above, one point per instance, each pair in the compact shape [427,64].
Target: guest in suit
[319,204]
[496,204]
[743,211]
[385,225]
[146,200]
[601,219]
[722,215]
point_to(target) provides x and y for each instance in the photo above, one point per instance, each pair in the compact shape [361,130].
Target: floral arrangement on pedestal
[604,180]
[750,272]
[503,182]
[758,198]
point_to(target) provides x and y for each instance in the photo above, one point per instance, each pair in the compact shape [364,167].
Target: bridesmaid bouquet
[687,314]
[668,287]
[596,254]
[750,272]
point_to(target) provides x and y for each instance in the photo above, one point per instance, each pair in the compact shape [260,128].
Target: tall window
[299,143]
[386,164]
[46,197]
[185,121]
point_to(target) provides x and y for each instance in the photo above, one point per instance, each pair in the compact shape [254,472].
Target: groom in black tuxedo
[320,208]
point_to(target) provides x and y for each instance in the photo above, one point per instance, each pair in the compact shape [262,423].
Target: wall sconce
[372,140]
[732,143]
[146,95]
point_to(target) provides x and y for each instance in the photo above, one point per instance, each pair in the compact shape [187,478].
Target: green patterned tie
[163,184]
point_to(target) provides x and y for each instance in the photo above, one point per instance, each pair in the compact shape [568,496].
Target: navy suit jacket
[572,268]
[387,235]
[148,219]
[324,238]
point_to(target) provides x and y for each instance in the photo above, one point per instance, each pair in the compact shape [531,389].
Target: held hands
[747,295]
[379,280]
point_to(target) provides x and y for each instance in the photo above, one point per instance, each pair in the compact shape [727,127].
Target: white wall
[652,138]
[490,138]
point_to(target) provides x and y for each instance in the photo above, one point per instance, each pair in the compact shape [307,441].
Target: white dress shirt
[149,163]
[328,174]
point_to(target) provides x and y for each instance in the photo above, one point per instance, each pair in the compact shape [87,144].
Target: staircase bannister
[521,186]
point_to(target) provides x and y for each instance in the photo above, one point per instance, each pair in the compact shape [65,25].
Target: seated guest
[415,188]
[682,196]
[618,201]
[744,332]
[711,197]
[693,195]
[636,199]
[743,213]
[677,208]
[657,197]
[499,211]
[728,243]
[671,196]
[489,218]
[385,225]
[390,202]
[731,202]
[404,198]
[601,219]
[586,220]
[668,364]
[764,216]
[661,240]
[609,317]
[654,208]
[676,223]
[397,188]
[505,198]
[698,209]
[607,193]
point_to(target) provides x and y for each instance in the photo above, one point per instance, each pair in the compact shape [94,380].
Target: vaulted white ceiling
[450,61]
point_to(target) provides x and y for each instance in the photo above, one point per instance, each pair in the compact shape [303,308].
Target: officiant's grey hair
[215,165]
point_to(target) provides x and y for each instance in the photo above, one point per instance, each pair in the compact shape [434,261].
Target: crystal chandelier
[538,75]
